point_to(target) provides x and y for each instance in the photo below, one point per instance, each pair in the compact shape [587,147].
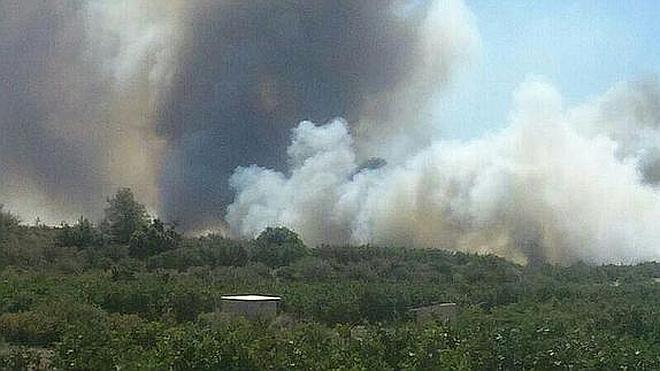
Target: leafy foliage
[154,303]
[8,223]
[82,234]
[278,247]
[124,216]
[153,238]
[209,250]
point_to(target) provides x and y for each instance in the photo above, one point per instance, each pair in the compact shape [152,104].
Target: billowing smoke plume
[80,80]
[169,96]
[557,184]
[250,70]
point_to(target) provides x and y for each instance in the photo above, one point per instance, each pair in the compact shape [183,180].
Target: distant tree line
[127,222]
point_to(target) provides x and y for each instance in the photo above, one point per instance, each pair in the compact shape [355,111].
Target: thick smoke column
[250,70]
[169,96]
[80,80]
[557,185]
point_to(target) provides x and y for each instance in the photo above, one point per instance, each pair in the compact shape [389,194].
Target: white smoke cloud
[136,43]
[630,114]
[557,184]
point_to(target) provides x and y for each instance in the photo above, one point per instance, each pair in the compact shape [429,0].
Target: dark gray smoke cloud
[44,82]
[169,96]
[251,70]
[79,80]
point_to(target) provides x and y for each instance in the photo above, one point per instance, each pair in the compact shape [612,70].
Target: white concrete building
[251,306]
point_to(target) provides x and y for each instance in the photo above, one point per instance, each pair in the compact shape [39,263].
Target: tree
[278,247]
[152,239]
[8,223]
[124,216]
[82,234]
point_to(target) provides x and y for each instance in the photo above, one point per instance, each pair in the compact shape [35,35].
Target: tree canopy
[278,247]
[124,216]
[8,222]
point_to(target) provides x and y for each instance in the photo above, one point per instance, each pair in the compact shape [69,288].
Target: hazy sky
[583,47]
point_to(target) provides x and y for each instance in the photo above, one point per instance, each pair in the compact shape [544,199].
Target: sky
[582,47]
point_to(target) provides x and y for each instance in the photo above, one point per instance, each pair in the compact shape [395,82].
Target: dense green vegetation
[131,293]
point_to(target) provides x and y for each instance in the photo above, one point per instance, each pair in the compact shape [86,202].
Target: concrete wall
[251,309]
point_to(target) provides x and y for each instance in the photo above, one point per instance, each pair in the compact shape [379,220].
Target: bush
[278,247]
[23,358]
[47,323]
[82,234]
[153,239]
[106,257]
[310,268]
[210,251]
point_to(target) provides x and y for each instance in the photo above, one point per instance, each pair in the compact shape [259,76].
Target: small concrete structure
[444,312]
[252,307]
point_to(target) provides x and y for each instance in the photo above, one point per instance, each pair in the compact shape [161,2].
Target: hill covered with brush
[131,293]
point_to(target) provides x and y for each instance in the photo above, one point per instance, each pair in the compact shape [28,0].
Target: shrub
[106,257]
[210,251]
[310,268]
[278,247]
[45,324]
[152,239]
[23,358]
[82,234]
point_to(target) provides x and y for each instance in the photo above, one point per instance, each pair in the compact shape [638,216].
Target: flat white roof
[251,298]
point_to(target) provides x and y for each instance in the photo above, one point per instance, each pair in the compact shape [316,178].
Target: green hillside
[75,297]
